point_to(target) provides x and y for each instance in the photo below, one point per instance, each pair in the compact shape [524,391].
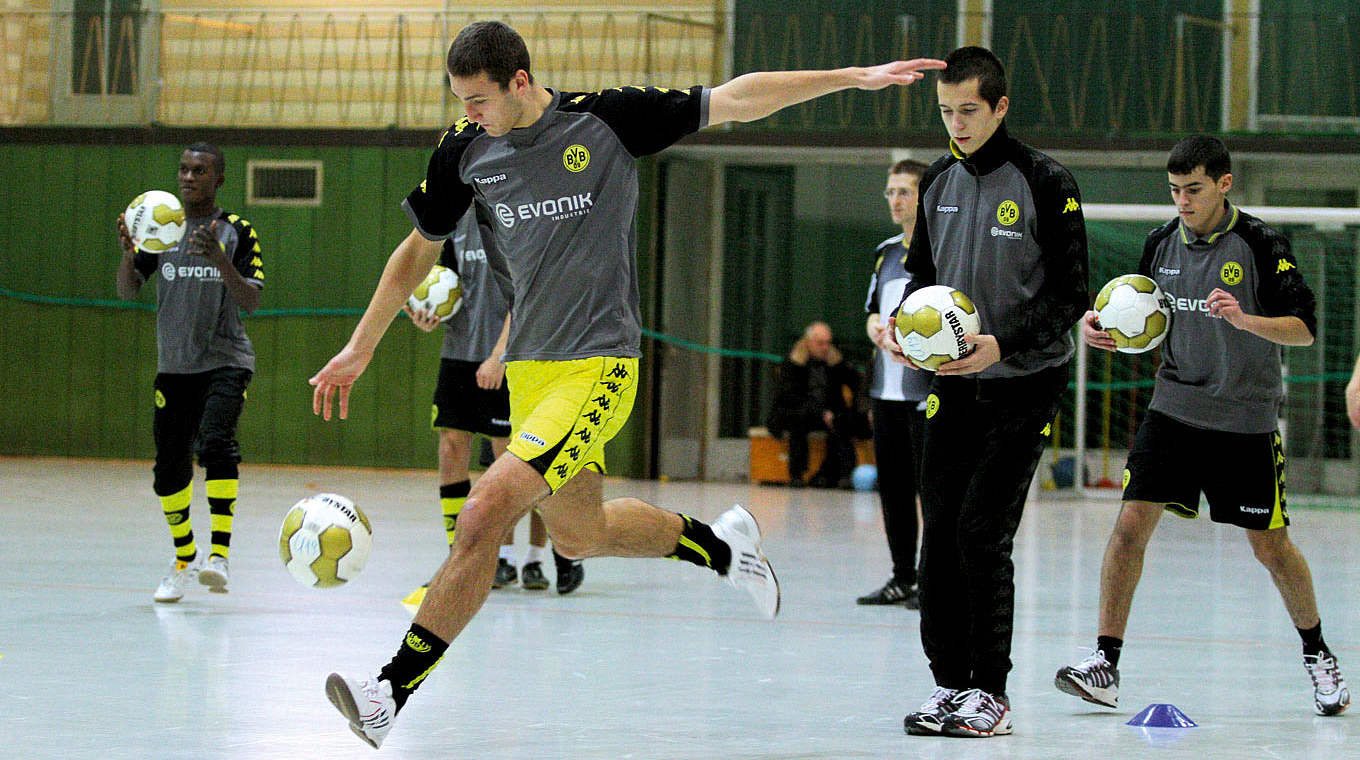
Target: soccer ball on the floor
[155,220]
[439,293]
[325,540]
[1134,311]
[931,324]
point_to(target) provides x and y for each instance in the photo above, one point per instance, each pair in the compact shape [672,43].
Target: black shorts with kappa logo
[1240,474]
[460,405]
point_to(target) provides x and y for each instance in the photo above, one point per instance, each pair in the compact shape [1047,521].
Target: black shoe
[531,577]
[506,574]
[570,573]
[893,593]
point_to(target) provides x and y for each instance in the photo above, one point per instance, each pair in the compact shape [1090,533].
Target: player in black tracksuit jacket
[1002,223]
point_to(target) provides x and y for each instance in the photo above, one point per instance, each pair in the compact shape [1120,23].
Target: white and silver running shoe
[749,569]
[171,588]
[1093,679]
[1330,695]
[214,574]
[928,719]
[981,715]
[367,705]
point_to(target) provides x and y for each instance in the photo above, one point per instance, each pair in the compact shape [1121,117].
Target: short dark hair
[909,166]
[219,160]
[1200,150]
[977,63]
[492,47]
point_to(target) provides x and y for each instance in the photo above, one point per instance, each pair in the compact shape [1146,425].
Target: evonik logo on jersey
[1179,304]
[554,209]
[170,272]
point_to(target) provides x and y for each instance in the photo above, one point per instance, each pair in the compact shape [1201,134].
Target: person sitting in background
[816,391]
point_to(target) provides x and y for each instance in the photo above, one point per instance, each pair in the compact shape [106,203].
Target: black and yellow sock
[452,497]
[419,653]
[1312,640]
[697,544]
[222,506]
[176,508]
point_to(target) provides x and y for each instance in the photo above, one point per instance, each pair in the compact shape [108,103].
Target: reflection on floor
[649,659]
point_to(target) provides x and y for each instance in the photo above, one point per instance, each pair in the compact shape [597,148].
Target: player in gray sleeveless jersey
[204,362]
[557,172]
[898,392]
[1212,424]
[471,397]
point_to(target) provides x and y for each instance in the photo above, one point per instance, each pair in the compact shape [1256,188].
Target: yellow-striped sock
[222,506]
[452,497]
[176,509]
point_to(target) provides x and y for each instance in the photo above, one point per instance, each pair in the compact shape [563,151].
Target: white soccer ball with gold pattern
[440,293]
[932,323]
[155,220]
[1134,311]
[325,540]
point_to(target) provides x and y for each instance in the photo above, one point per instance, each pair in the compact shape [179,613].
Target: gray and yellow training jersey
[1214,375]
[471,333]
[198,325]
[562,196]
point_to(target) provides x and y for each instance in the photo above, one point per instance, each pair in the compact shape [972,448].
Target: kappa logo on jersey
[489,180]
[555,209]
[576,158]
[1071,206]
[531,438]
[1168,272]
[473,254]
[1007,213]
[1284,266]
[170,272]
[1231,273]
[947,209]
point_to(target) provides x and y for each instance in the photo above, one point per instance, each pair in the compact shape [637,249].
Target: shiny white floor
[649,659]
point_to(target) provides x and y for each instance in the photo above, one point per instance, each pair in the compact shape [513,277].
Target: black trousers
[982,442]
[840,447]
[898,431]
[197,414]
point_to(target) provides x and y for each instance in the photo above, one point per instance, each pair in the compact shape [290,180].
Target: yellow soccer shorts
[563,412]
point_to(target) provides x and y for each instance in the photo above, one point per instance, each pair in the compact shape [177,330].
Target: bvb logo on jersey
[1231,273]
[1008,213]
[576,158]
[160,399]
[932,405]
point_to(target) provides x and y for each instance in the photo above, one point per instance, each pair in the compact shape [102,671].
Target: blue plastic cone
[1159,715]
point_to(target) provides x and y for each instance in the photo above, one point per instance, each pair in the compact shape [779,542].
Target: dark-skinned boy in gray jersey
[1002,223]
[204,362]
[1212,424]
[557,172]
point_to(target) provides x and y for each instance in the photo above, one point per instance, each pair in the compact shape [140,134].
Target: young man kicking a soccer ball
[557,172]
[1212,425]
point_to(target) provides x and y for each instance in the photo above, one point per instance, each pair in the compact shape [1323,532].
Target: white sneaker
[749,568]
[1093,679]
[214,574]
[179,574]
[1330,695]
[366,704]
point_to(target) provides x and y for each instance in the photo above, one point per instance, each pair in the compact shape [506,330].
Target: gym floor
[648,659]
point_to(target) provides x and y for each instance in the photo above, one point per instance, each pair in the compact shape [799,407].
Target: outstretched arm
[756,95]
[406,267]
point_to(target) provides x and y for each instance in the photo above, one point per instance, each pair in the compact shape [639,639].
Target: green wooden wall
[77,378]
